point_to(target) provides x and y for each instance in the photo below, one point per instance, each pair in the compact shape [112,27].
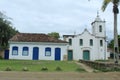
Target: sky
[63,16]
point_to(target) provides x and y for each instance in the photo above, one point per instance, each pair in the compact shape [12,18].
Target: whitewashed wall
[41,47]
[96,52]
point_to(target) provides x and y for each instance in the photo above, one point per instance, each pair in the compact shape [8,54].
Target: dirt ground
[58,76]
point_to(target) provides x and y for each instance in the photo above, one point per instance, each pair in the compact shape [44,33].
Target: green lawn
[18,65]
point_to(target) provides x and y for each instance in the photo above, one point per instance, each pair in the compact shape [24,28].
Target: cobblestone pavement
[58,76]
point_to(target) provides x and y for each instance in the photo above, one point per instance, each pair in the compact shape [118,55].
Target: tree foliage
[6,31]
[111,44]
[54,35]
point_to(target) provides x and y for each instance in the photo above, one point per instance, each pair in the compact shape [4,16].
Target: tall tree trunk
[116,49]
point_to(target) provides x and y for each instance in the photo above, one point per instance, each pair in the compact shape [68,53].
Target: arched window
[100,28]
[101,42]
[91,42]
[70,41]
[81,42]
[47,51]
[14,50]
[25,51]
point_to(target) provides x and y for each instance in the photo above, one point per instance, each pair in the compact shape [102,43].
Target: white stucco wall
[97,52]
[41,47]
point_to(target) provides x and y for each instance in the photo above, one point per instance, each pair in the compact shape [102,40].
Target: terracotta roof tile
[34,37]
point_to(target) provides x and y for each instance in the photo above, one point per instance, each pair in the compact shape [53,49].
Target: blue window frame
[14,50]
[48,51]
[25,51]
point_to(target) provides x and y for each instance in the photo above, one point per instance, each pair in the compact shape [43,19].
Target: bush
[58,69]
[44,69]
[105,69]
[25,69]
[8,69]
[1,57]
[116,69]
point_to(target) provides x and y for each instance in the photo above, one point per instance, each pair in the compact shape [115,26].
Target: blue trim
[6,54]
[14,50]
[47,51]
[25,49]
[58,54]
[35,53]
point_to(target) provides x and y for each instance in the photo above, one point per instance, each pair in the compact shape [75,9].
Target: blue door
[35,53]
[57,54]
[6,54]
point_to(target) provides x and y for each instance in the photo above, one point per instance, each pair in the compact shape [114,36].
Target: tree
[115,12]
[111,44]
[6,31]
[54,35]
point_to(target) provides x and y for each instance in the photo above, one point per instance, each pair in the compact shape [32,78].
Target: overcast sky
[62,16]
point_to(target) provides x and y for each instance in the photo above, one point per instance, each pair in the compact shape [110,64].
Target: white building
[29,46]
[88,46]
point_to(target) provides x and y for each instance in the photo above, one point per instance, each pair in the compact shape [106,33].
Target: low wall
[102,66]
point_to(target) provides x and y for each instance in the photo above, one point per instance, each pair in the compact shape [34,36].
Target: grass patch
[102,60]
[80,70]
[37,66]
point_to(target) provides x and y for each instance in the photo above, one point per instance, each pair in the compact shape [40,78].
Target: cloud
[63,16]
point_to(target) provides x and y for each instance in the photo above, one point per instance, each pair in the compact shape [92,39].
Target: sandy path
[58,76]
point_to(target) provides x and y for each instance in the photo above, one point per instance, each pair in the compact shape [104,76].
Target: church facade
[85,46]
[88,46]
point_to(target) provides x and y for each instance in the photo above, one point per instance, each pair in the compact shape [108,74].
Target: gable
[86,33]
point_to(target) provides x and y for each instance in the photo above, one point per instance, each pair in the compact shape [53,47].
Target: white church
[88,46]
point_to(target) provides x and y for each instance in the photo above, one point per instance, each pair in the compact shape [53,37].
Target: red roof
[34,37]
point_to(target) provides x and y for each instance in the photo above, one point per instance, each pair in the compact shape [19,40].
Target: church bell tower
[98,27]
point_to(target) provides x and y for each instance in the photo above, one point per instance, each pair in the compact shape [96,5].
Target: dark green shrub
[8,69]
[106,69]
[116,69]
[58,69]
[44,69]
[1,57]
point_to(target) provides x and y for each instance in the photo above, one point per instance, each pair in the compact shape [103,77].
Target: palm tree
[115,12]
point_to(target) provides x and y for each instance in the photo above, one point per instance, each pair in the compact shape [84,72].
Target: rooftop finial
[97,13]
[74,32]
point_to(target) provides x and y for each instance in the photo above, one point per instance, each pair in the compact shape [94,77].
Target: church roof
[97,19]
[85,30]
[34,37]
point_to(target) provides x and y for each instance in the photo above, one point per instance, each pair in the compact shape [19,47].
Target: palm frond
[116,1]
[105,3]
